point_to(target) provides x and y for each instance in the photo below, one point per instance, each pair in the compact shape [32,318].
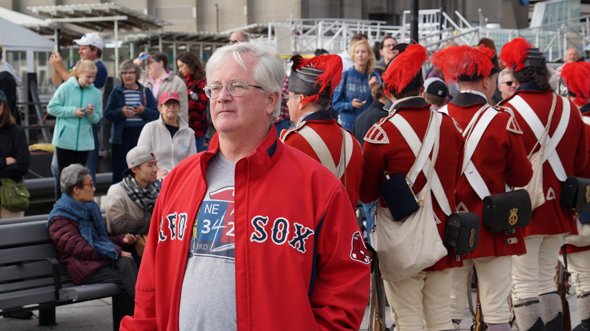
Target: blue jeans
[369,209]
[93,156]
[282,125]
[200,142]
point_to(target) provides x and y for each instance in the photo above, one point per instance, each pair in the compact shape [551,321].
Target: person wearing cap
[536,302]
[130,203]
[170,138]
[499,159]
[14,152]
[90,49]
[161,80]
[317,133]
[421,300]
[506,83]
[435,92]
[251,223]
[575,77]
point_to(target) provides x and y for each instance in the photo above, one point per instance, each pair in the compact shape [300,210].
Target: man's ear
[273,99]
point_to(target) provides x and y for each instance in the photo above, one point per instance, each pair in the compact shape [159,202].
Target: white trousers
[421,301]
[533,272]
[494,278]
[578,264]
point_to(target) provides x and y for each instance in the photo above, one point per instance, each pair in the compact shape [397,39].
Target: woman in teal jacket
[76,104]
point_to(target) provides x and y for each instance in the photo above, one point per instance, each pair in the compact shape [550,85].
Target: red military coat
[499,158]
[326,127]
[385,149]
[550,218]
[584,173]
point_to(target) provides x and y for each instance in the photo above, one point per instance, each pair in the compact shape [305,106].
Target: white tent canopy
[17,38]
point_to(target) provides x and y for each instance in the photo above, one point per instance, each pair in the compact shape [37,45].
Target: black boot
[584,326]
[555,324]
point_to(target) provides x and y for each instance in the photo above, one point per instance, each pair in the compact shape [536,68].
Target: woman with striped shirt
[130,107]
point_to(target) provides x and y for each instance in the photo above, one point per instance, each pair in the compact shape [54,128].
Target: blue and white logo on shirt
[213,232]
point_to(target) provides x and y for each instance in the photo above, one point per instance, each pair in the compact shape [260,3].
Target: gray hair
[128,64]
[268,71]
[502,73]
[72,176]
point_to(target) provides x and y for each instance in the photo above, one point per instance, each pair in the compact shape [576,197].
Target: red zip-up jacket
[317,278]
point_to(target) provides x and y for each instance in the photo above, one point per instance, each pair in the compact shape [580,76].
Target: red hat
[168,96]
[464,63]
[316,77]
[576,76]
[518,54]
[404,72]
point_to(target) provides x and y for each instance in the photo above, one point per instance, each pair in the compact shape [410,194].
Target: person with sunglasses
[506,83]
[78,234]
[251,223]
[169,137]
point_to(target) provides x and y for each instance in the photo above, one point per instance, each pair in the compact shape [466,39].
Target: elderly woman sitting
[78,234]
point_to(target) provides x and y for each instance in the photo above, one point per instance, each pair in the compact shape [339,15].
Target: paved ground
[96,316]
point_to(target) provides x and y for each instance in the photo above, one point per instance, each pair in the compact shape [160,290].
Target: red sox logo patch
[358,250]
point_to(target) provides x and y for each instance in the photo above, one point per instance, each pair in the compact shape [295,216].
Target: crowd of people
[198,233]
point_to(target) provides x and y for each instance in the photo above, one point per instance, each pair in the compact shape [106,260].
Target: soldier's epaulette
[286,133]
[512,125]
[376,134]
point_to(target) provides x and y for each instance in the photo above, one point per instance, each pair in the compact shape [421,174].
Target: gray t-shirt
[208,299]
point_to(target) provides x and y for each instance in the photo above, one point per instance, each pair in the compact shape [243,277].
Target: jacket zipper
[79,118]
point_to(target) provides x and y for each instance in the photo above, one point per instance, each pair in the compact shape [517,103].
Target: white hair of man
[268,71]
[504,72]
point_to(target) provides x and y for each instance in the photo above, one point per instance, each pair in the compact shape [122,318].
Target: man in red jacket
[536,302]
[421,300]
[317,134]
[251,234]
[575,77]
[498,158]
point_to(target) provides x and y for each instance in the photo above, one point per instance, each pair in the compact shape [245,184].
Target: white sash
[538,129]
[319,147]
[414,142]
[471,173]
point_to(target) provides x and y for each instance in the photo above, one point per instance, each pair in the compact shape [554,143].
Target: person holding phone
[130,106]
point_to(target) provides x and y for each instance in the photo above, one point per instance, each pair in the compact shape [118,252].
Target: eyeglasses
[236,88]
[123,73]
[88,184]
[508,83]
[289,97]
[389,46]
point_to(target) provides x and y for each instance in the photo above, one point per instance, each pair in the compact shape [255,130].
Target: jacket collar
[320,115]
[387,106]
[120,87]
[468,99]
[585,109]
[264,157]
[528,86]
[410,102]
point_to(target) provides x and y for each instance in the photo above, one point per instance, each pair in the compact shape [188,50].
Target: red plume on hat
[404,67]
[514,53]
[331,65]
[576,76]
[460,62]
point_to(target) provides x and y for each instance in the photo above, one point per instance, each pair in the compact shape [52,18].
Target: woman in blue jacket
[76,104]
[353,94]
[130,107]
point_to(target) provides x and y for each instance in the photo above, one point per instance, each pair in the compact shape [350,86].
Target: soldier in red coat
[421,300]
[317,133]
[499,158]
[575,77]
[536,302]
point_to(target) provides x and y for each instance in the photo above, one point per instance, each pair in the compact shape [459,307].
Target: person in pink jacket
[251,234]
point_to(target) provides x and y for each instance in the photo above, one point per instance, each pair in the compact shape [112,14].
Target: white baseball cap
[90,39]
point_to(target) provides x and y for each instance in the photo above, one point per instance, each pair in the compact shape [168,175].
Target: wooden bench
[32,278]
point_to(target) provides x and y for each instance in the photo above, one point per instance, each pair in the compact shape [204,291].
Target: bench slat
[38,269]
[27,297]
[89,292]
[26,253]
[19,234]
